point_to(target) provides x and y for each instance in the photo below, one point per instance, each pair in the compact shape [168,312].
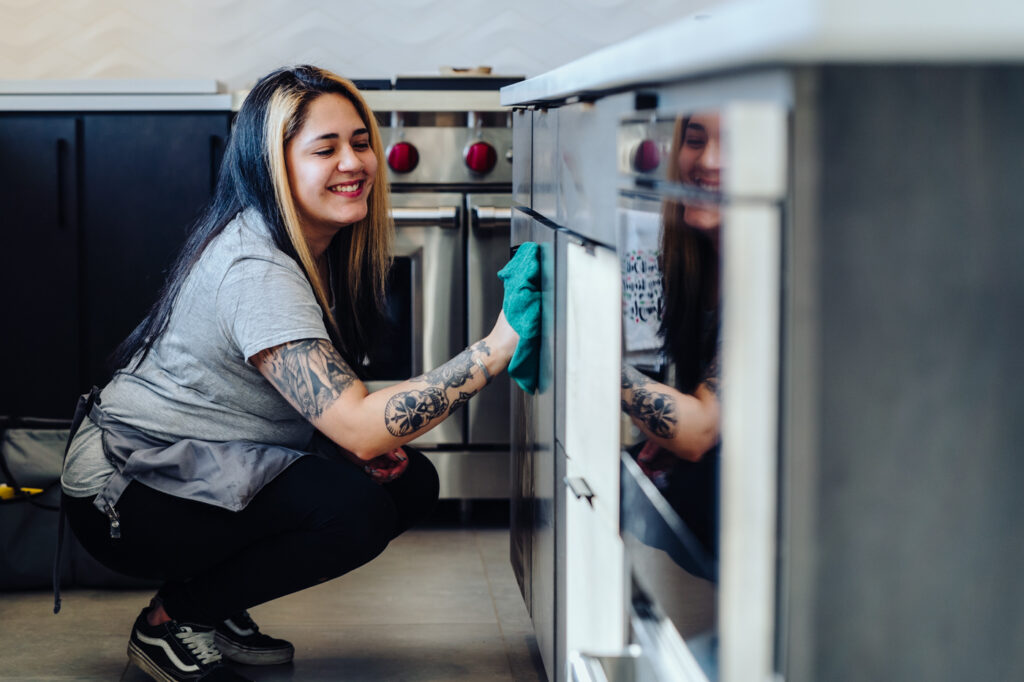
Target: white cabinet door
[596,591]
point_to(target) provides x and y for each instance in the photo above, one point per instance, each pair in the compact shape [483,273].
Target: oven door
[425,299]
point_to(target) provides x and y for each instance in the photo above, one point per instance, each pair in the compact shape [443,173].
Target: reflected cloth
[522,305]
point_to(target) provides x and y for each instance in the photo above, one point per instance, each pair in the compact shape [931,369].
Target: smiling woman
[237,431]
[331,167]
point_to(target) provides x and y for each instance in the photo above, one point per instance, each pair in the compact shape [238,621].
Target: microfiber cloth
[522,306]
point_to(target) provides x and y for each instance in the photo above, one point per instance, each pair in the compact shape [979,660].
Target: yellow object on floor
[7,492]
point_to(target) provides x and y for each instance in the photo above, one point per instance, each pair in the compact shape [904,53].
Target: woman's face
[700,165]
[331,165]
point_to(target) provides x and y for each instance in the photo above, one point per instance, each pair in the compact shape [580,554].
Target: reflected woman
[681,418]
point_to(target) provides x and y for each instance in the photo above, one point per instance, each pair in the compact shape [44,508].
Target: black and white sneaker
[173,652]
[240,640]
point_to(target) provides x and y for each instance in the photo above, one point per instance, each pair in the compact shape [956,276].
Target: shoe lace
[200,643]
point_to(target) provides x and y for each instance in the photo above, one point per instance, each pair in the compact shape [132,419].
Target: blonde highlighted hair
[369,244]
[254,175]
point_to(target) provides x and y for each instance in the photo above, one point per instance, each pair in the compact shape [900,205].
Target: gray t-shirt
[244,295]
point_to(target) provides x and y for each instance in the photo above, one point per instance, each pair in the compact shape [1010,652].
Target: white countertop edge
[752,33]
[110,86]
[433,100]
[66,102]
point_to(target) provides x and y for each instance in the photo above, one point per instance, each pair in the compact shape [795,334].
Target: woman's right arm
[687,425]
[318,383]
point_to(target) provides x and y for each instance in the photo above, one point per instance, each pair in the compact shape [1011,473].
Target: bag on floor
[31,460]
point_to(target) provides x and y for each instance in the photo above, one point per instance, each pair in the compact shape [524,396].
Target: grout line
[494,603]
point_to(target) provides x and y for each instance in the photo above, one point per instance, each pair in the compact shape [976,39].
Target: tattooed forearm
[410,411]
[459,402]
[309,373]
[457,371]
[655,410]
[711,377]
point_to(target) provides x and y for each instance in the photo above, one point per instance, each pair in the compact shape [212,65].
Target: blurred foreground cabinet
[867,489]
[93,208]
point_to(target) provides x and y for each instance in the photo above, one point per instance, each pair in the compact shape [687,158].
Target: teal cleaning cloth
[522,306]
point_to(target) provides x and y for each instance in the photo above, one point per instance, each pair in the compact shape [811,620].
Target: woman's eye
[324,152]
[361,146]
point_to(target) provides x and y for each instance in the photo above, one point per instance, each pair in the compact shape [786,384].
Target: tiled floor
[441,603]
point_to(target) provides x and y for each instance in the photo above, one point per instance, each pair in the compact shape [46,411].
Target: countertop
[768,32]
[158,94]
[203,95]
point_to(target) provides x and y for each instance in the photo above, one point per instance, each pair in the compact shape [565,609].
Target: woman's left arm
[687,425]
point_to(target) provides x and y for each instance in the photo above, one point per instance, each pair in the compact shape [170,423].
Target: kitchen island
[870,250]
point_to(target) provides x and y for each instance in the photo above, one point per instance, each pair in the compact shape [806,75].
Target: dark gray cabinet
[95,207]
[39,240]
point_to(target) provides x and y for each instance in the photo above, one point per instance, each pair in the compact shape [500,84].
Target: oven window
[392,355]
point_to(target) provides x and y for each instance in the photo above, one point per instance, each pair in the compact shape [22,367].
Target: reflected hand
[387,467]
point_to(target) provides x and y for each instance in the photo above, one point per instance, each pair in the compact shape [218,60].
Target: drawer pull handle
[578,486]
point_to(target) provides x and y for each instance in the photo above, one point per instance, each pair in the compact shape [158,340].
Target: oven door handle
[491,216]
[444,216]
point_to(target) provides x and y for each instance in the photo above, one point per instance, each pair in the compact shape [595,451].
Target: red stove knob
[646,156]
[481,157]
[403,157]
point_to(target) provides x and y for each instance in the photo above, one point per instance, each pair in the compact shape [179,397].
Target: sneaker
[240,640]
[173,652]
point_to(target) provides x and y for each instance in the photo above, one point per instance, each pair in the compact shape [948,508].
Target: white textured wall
[236,41]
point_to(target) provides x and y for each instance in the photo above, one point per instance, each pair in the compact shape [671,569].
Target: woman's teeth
[345,188]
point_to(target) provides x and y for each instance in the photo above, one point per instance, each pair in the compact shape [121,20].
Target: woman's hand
[503,339]
[387,467]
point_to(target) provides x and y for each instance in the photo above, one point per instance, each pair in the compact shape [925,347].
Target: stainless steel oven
[449,164]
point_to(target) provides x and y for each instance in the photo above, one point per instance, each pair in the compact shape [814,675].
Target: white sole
[140,659]
[239,654]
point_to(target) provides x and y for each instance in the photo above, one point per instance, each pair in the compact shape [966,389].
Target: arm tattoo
[410,411]
[652,408]
[310,374]
[712,377]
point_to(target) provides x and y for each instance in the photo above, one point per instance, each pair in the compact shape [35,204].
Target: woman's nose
[710,158]
[349,160]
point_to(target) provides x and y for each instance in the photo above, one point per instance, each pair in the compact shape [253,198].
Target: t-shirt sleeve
[262,303]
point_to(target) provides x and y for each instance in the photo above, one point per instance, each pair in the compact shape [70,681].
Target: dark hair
[253,175]
[690,271]
[690,316]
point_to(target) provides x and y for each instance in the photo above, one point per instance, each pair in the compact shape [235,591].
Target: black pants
[317,520]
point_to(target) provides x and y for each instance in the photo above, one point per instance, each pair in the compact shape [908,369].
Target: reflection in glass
[669,250]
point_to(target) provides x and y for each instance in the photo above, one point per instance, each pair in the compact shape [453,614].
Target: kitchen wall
[236,41]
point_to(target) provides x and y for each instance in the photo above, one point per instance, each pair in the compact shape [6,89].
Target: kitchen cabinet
[537,499]
[39,251]
[868,482]
[96,206]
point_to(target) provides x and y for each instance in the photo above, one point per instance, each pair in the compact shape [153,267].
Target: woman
[682,421]
[194,467]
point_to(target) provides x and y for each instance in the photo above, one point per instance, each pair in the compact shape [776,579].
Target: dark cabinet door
[146,176]
[39,349]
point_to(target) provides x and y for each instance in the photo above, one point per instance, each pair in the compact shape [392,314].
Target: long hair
[254,175]
[690,271]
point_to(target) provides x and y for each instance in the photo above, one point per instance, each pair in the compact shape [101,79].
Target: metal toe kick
[471,474]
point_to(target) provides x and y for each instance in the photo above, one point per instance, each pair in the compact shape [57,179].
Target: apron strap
[85,403]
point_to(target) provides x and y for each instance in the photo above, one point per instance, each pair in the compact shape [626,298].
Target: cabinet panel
[146,177]
[592,376]
[38,265]
[534,464]
[545,163]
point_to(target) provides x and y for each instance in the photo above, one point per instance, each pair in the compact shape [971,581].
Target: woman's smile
[349,189]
